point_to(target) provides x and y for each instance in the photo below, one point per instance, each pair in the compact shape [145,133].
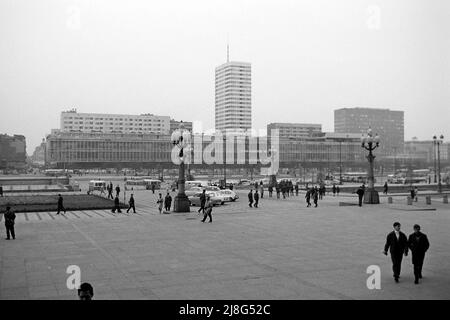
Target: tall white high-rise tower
[233,97]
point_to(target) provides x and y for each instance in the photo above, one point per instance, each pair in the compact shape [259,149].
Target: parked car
[193,190]
[229,195]
[214,198]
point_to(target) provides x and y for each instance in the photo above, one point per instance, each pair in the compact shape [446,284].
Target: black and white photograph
[212,151]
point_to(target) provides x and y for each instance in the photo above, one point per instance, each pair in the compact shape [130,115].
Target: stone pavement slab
[281,250]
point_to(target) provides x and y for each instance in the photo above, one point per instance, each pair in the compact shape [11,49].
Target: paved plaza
[281,250]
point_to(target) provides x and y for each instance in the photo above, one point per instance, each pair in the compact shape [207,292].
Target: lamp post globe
[180,138]
[370,143]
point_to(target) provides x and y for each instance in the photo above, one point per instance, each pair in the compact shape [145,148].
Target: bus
[144,184]
[356,177]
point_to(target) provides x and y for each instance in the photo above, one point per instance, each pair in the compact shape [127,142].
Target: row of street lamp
[181,137]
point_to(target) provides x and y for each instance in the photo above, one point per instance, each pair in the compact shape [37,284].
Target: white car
[229,195]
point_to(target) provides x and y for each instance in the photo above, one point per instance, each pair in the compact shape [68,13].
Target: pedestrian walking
[256,197]
[250,198]
[360,193]
[277,189]
[418,244]
[338,190]
[261,186]
[333,189]
[270,191]
[208,209]
[385,188]
[160,203]
[202,202]
[60,204]
[10,218]
[131,204]
[316,197]
[109,191]
[416,192]
[167,201]
[296,189]
[308,198]
[397,244]
[116,205]
[117,190]
[102,190]
[153,188]
[1,191]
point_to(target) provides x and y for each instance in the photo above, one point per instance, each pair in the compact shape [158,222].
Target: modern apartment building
[294,130]
[72,121]
[233,105]
[389,125]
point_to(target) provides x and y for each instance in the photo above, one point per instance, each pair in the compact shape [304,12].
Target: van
[96,185]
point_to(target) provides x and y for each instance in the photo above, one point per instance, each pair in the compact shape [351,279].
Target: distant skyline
[308,59]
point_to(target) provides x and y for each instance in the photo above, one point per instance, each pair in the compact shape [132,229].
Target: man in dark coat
[385,188]
[270,191]
[9,223]
[256,197]
[131,204]
[202,202]
[419,244]
[167,202]
[397,243]
[277,189]
[60,204]
[296,189]
[109,187]
[153,188]
[1,191]
[116,205]
[117,190]
[360,193]
[308,198]
[316,196]
[250,198]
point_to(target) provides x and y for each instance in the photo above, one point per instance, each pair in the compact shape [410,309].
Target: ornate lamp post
[180,138]
[438,142]
[370,143]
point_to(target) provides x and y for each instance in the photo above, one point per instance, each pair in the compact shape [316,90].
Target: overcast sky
[308,58]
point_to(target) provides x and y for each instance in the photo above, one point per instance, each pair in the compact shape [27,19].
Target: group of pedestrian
[335,189]
[165,203]
[205,206]
[253,199]
[398,245]
[312,193]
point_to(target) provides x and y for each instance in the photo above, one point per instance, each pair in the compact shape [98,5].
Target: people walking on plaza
[117,190]
[86,291]
[202,202]
[316,196]
[208,210]
[397,244]
[270,191]
[338,190]
[153,188]
[334,190]
[109,187]
[360,193]
[131,204]
[60,205]
[291,187]
[416,192]
[277,189]
[250,198]
[296,189]
[10,218]
[418,244]
[256,197]
[167,201]
[116,205]
[385,188]
[261,187]
[160,202]
[308,198]
[1,191]
[102,190]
